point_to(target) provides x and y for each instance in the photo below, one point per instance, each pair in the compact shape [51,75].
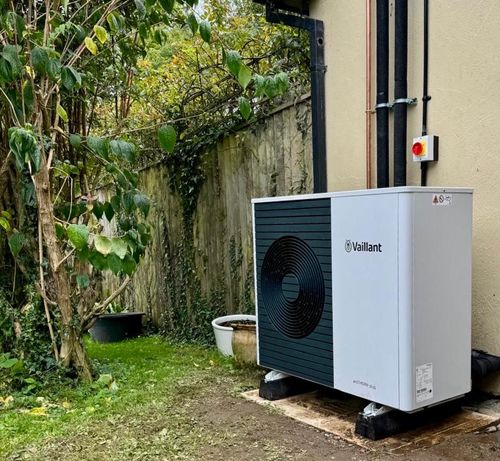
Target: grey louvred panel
[295,312]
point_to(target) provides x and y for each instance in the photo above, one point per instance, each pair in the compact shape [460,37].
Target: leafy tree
[57,60]
[82,85]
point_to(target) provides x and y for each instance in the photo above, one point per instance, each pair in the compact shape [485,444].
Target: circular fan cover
[292,287]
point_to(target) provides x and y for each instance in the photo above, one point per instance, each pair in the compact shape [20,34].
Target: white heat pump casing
[402,315]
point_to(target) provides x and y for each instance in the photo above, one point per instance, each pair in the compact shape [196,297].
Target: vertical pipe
[382,93]
[400,91]
[317,47]
[368,94]
[316,31]
[425,96]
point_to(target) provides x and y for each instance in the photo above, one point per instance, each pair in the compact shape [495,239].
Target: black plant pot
[111,328]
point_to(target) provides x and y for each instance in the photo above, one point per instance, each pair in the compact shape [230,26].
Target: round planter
[224,335]
[245,344]
[111,328]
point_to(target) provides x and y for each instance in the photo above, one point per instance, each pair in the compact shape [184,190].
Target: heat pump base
[283,387]
[387,423]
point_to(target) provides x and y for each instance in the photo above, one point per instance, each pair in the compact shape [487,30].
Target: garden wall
[200,266]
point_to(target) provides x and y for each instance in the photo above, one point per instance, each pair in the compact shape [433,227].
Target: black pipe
[400,91]
[483,364]
[381,107]
[425,96]
[315,28]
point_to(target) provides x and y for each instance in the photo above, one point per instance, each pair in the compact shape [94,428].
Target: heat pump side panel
[435,319]
[309,357]
[365,296]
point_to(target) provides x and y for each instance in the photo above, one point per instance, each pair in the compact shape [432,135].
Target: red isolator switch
[425,148]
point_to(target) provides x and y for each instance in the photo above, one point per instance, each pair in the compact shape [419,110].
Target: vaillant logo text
[359,247]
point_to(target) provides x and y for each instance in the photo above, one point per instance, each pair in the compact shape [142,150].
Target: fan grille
[293,287]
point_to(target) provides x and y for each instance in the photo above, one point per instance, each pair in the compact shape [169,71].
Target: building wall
[464,82]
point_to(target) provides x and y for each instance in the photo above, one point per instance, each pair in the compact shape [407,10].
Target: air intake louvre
[293,257]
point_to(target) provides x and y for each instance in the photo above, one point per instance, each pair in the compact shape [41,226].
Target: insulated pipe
[315,28]
[382,107]
[400,91]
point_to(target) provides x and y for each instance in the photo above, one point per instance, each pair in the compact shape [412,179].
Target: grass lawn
[139,378]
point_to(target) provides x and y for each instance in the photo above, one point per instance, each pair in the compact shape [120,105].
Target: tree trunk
[73,352]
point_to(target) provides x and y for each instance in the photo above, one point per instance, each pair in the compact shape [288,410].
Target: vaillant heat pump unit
[367,292]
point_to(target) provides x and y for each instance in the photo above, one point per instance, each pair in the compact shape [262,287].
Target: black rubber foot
[285,387]
[395,422]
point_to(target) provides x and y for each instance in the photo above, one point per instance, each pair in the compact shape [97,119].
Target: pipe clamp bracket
[408,101]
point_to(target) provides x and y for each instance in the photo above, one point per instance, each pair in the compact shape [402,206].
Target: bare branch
[99,308]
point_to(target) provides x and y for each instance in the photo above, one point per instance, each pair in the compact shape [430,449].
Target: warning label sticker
[423,378]
[442,199]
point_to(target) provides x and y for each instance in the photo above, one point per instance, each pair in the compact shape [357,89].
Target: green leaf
[54,69]
[142,202]
[282,83]
[139,4]
[192,23]
[167,5]
[90,45]
[82,280]
[62,113]
[40,60]
[9,363]
[78,235]
[24,145]
[71,79]
[98,209]
[108,211]
[5,224]
[116,203]
[260,85]
[11,55]
[16,24]
[60,231]
[116,22]
[100,33]
[128,202]
[245,108]
[244,76]
[129,265]
[233,62]
[114,263]
[123,149]
[143,31]
[98,145]
[98,260]
[102,244]
[205,30]
[167,138]
[75,140]
[119,247]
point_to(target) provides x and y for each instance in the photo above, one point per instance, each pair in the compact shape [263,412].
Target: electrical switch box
[425,148]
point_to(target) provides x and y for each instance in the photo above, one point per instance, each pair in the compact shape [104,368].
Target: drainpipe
[400,91]
[315,29]
[382,107]
[425,98]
